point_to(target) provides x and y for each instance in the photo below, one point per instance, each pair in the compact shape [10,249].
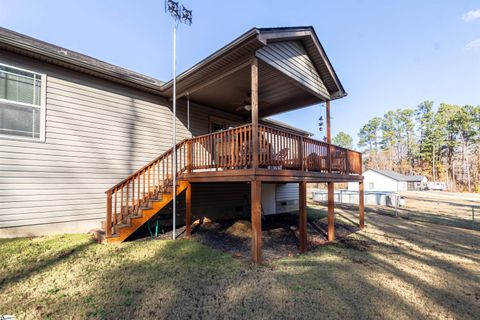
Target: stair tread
[151,206]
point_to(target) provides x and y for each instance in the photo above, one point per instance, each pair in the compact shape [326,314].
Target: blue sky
[388,54]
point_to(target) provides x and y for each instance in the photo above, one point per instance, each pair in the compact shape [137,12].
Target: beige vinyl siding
[97,133]
[287,191]
[287,197]
[291,58]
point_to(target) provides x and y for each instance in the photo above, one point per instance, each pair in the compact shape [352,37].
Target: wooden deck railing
[230,149]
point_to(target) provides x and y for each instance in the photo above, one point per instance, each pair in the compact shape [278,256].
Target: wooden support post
[254,96]
[329,137]
[256,196]
[108,220]
[302,216]
[331,216]
[361,205]
[188,211]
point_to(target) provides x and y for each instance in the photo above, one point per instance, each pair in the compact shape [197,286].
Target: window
[219,124]
[22,107]
[370,185]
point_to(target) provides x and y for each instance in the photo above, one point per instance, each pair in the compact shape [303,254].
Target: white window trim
[42,106]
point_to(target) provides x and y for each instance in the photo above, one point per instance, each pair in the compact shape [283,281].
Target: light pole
[182,15]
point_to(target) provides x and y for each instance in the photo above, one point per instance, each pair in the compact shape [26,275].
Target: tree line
[442,144]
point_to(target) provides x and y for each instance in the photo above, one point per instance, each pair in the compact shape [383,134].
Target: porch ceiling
[277,92]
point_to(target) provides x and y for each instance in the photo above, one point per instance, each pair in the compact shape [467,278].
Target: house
[387,180]
[84,141]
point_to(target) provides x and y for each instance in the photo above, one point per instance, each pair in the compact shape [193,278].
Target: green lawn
[383,272]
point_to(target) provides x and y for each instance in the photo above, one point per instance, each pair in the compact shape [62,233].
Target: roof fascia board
[75,63]
[251,35]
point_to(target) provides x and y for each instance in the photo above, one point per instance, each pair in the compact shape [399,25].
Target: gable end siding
[291,58]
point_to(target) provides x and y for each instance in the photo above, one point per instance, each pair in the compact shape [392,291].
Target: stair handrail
[163,155]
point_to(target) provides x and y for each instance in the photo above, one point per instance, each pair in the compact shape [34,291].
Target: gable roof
[398,176]
[245,45]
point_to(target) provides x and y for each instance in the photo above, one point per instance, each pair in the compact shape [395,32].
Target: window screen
[20,102]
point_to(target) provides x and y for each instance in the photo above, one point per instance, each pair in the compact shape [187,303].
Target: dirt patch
[279,235]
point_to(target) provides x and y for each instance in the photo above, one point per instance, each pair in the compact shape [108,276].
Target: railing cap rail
[163,155]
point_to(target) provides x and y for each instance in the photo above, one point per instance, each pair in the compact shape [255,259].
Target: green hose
[150,230]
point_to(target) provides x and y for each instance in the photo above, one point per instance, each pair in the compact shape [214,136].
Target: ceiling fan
[247,103]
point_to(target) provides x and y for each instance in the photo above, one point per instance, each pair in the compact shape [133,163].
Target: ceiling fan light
[247,107]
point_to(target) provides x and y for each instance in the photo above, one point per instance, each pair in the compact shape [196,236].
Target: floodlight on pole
[184,16]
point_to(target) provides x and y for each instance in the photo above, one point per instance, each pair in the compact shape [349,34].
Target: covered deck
[262,73]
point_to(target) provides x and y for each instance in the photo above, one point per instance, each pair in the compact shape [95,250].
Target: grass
[395,269]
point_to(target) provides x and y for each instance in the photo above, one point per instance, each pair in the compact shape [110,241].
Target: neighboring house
[387,180]
[83,141]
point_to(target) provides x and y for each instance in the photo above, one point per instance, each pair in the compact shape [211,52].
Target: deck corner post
[361,204]
[188,211]
[302,216]
[108,220]
[254,97]
[256,216]
[331,213]
[329,137]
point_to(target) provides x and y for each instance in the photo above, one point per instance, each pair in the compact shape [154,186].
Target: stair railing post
[189,155]
[300,153]
[108,220]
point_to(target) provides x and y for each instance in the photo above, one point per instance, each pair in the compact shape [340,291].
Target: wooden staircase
[144,213]
[137,199]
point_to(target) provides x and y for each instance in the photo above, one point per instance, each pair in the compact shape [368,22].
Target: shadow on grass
[33,260]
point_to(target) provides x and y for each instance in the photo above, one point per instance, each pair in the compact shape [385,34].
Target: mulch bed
[279,236]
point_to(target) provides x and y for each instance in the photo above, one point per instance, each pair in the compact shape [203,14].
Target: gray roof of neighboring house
[286,126]
[398,176]
[415,178]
